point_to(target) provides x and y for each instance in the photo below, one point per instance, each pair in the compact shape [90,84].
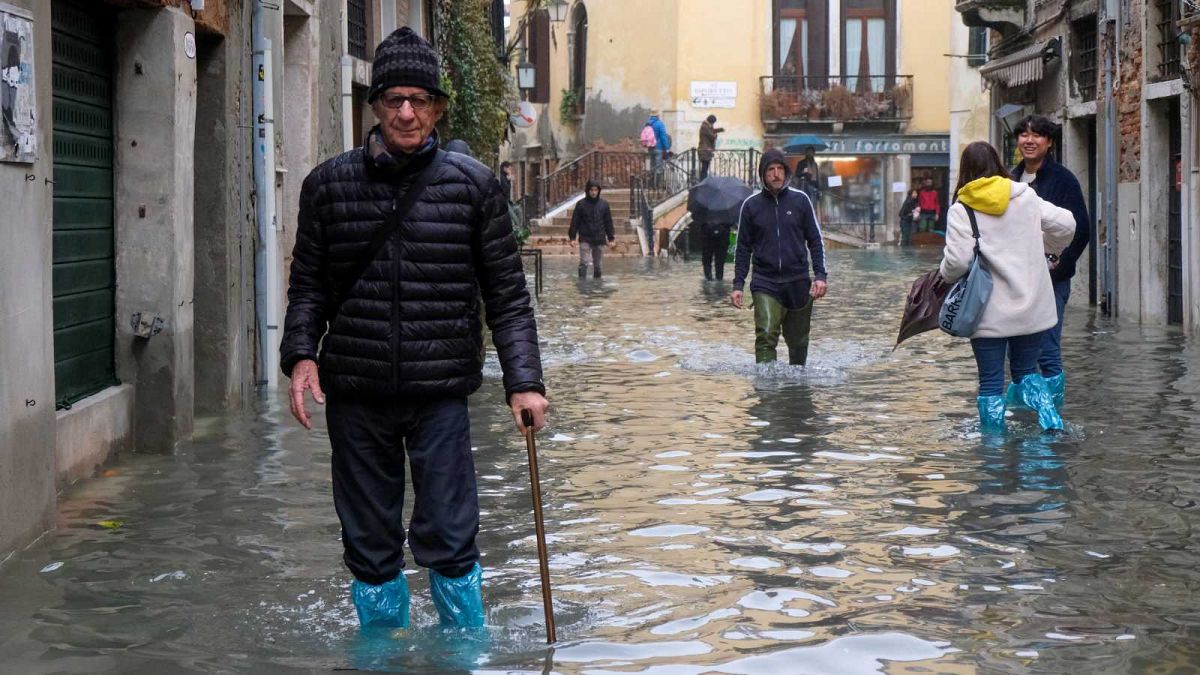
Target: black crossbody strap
[974,225]
[401,205]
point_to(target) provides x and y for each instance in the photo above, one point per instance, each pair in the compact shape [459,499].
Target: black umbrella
[717,199]
[922,306]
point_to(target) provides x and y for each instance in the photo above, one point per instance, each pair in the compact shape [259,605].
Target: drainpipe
[348,140]
[1111,34]
[267,275]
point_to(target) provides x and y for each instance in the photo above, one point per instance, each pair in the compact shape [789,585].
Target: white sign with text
[714,94]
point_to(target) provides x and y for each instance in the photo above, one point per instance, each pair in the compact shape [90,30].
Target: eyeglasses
[419,102]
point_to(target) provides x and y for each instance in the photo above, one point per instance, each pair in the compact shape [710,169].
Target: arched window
[578,39]
[537,44]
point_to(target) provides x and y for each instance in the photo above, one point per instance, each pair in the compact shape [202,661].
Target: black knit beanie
[404,59]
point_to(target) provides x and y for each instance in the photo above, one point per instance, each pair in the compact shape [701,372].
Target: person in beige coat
[1016,228]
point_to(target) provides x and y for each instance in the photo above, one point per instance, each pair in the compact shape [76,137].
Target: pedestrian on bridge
[778,232]
[707,147]
[398,244]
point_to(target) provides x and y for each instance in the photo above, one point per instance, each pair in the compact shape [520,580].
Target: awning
[928,159]
[1022,67]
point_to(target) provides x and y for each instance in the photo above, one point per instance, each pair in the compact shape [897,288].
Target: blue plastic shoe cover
[382,606]
[1012,399]
[991,414]
[1058,388]
[459,601]
[1035,394]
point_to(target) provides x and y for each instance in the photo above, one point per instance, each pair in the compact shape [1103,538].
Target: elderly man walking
[779,233]
[397,245]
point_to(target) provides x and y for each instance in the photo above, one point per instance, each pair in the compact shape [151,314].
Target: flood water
[705,515]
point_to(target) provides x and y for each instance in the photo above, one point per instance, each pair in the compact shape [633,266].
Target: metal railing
[856,217]
[836,98]
[741,164]
[612,169]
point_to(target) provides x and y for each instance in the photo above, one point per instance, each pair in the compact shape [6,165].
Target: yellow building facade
[868,77]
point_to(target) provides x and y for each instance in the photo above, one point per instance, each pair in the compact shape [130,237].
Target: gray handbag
[967,299]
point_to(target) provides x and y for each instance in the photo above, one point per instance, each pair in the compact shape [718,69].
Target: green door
[84,272]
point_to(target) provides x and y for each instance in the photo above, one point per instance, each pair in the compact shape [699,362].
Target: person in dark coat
[714,244]
[592,223]
[1056,184]
[908,216]
[394,351]
[707,147]
[778,232]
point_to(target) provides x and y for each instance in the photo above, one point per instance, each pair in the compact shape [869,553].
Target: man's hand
[736,299]
[818,289]
[572,243]
[534,403]
[612,243]
[304,376]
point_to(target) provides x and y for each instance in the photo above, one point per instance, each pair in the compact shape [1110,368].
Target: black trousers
[714,248]
[370,438]
[704,164]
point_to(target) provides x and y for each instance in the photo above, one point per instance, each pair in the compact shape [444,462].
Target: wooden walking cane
[540,527]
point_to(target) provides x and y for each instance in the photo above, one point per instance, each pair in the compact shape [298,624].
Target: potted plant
[902,99]
[568,108]
[810,100]
[839,102]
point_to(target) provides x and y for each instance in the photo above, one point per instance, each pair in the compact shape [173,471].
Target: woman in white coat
[1016,228]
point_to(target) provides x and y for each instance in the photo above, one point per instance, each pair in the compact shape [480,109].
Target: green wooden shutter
[84,270]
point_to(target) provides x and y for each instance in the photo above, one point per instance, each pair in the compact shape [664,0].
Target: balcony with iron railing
[1005,16]
[841,98]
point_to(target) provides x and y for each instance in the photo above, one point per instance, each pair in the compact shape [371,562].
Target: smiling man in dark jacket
[592,223]
[397,322]
[1056,184]
[778,231]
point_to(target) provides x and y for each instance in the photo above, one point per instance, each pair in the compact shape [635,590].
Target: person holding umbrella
[714,205]
[779,233]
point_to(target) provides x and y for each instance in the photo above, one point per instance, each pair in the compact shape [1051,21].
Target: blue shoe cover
[459,601]
[382,606]
[1012,399]
[1035,394]
[991,414]
[1058,388]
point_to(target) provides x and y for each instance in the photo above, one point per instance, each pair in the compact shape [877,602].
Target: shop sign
[887,146]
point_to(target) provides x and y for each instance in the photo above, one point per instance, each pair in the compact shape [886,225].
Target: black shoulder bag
[400,208]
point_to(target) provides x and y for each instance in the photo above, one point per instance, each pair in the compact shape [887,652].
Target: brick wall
[1129,93]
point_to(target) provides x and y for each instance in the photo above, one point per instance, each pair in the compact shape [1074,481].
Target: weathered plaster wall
[156,116]
[925,39]
[26,321]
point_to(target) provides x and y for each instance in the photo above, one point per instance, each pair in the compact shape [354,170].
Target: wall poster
[18,100]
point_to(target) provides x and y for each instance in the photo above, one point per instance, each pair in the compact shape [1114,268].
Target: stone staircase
[551,236]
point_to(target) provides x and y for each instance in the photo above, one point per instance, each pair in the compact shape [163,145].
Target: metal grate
[1169,49]
[356,25]
[1083,65]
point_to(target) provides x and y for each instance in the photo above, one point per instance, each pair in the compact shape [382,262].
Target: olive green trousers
[770,319]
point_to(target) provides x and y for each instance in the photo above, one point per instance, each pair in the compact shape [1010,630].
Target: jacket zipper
[778,235]
[395,342]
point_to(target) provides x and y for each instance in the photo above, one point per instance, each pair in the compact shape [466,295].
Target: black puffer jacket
[592,219]
[410,326]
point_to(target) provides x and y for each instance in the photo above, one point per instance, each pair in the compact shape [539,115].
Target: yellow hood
[987,195]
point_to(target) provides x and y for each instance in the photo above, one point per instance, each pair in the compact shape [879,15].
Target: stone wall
[1129,93]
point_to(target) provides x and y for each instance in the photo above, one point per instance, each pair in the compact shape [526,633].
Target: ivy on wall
[476,81]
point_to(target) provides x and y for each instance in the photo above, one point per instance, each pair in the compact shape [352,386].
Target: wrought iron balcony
[1006,16]
[842,98]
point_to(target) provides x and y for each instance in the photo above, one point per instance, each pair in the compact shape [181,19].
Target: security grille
[1169,48]
[356,25]
[1083,66]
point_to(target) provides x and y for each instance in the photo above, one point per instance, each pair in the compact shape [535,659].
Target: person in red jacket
[930,205]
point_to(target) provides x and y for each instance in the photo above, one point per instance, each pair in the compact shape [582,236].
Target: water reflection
[705,514]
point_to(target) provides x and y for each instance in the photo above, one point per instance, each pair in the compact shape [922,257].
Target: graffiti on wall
[18,102]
